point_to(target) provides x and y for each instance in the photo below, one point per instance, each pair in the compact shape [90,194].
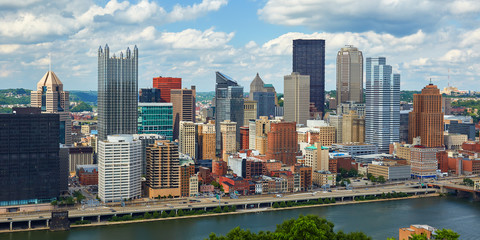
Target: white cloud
[195,39]
[181,13]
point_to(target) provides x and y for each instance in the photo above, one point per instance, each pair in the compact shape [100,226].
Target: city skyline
[197,38]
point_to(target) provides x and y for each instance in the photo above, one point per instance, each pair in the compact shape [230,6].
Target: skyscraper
[163,169]
[149,95]
[155,118]
[229,145]
[296,98]
[119,168]
[228,105]
[166,84]
[382,117]
[29,157]
[282,142]
[117,93]
[51,98]
[187,139]
[349,75]
[183,101]
[309,59]
[426,119]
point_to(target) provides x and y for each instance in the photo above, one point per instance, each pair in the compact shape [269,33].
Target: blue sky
[194,38]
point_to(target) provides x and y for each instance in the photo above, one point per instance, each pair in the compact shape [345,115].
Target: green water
[378,220]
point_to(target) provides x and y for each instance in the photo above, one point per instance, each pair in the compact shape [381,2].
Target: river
[378,220]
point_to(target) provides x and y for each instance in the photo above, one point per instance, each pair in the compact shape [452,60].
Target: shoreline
[107,223]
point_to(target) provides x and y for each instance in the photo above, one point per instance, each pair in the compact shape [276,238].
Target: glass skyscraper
[228,105]
[156,118]
[117,92]
[309,59]
[382,116]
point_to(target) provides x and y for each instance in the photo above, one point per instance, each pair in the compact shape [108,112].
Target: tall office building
[297,98]
[426,119]
[282,142]
[183,101]
[382,117]
[229,145]
[187,139]
[266,103]
[117,93]
[165,84]
[51,98]
[119,168]
[29,157]
[309,59]
[262,127]
[249,111]
[424,161]
[349,75]
[163,169]
[155,118]
[228,106]
[337,122]
[206,141]
[252,132]
[149,95]
[353,127]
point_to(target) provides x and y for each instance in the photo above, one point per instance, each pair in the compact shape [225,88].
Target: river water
[378,220]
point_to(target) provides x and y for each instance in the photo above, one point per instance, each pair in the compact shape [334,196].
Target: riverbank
[209,214]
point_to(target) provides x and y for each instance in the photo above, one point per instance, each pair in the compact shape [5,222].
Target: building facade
[349,75]
[208,141]
[165,84]
[229,144]
[309,59]
[51,98]
[353,128]
[187,140]
[30,162]
[282,142]
[183,101]
[149,95]
[155,118]
[228,106]
[163,170]
[250,111]
[119,168]
[117,93]
[424,161]
[426,119]
[266,103]
[296,98]
[382,117]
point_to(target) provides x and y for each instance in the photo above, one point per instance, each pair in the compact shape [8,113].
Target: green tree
[381,179]
[172,213]
[282,204]
[373,179]
[418,237]
[304,227]
[180,212]
[275,205]
[446,234]
[164,214]
[226,209]
[54,203]
[156,214]
[468,182]
[147,215]
[81,107]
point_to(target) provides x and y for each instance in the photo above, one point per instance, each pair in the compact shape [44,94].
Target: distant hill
[89,97]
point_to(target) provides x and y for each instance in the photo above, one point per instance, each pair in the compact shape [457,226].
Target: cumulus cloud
[392,16]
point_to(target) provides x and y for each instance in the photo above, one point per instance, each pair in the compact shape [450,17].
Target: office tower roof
[50,79]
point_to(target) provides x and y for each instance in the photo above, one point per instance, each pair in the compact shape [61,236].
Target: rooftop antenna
[430,81]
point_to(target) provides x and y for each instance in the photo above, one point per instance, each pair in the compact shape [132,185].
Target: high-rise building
[353,127]
[404,122]
[262,127]
[149,95]
[147,140]
[119,168]
[29,162]
[165,84]
[228,106]
[252,132]
[282,142]
[51,98]
[163,170]
[382,117]
[266,103]
[183,101]
[309,59]
[245,137]
[155,118]
[337,122]
[349,75]
[250,111]
[187,170]
[229,144]
[117,93]
[345,108]
[426,119]
[206,141]
[187,139]
[296,98]
[257,85]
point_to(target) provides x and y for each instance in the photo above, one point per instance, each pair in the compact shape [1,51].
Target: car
[40,217]
[9,218]
[225,203]
[190,206]
[114,210]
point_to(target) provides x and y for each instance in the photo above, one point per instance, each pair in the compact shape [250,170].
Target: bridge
[458,189]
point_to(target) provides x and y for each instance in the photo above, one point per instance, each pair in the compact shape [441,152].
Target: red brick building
[205,175]
[347,163]
[282,142]
[87,174]
[255,168]
[241,185]
[305,176]
[244,144]
[219,168]
[186,171]
[165,84]
[471,146]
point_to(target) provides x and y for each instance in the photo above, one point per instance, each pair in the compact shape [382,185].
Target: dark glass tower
[228,105]
[117,93]
[29,157]
[309,59]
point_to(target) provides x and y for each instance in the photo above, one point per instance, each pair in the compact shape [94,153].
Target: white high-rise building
[349,75]
[297,98]
[382,117]
[119,168]
[187,139]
